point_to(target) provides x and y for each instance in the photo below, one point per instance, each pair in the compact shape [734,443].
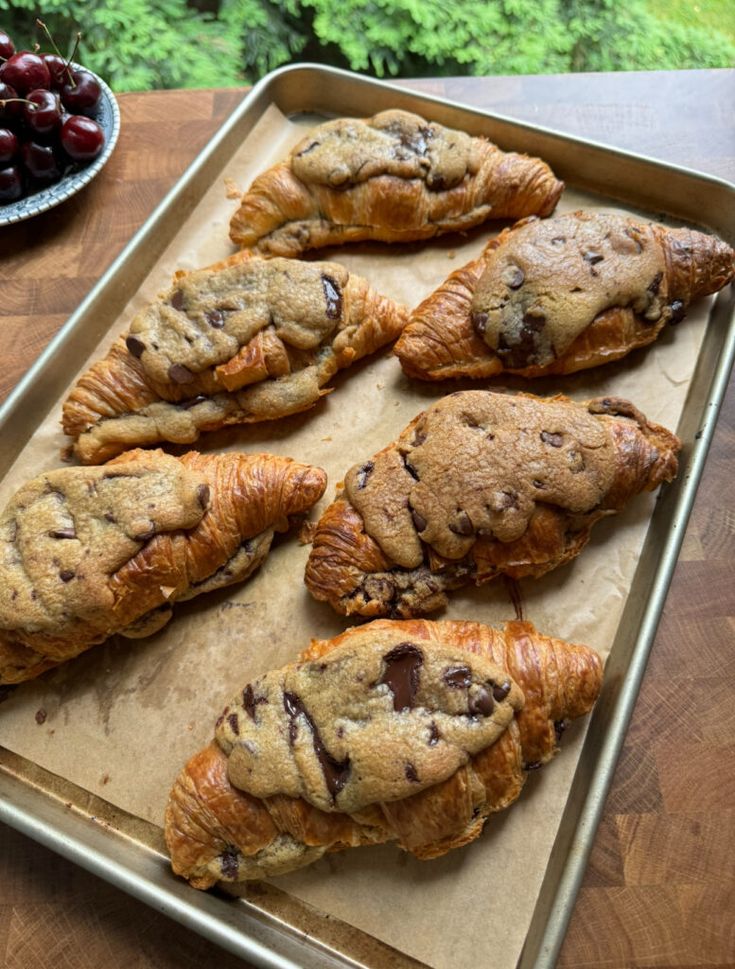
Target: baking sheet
[121,720]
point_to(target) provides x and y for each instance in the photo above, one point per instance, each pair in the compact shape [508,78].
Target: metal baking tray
[270,928]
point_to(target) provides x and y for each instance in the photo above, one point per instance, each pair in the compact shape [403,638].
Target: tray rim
[190,911]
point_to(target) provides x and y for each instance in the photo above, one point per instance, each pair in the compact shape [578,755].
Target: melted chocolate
[501,691]
[135,346]
[177,300]
[677,311]
[418,520]
[333,297]
[458,677]
[66,575]
[462,525]
[434,735]
[216,318]
[401,675]
[203,495]
[234,723]
[411,774]
[364,473]
[63,533]
[335,771]
[250,701]
[229,862]
[522,352]
[481,703]
[192,402]
[179,374]
[555,440]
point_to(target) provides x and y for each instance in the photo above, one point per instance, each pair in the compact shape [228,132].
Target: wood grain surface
[659,891]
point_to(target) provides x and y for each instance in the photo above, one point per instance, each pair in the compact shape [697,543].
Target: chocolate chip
[558,240]
[41,716]
[677,311]
[333,297]
[234,723]
[410,468]
[364,473]
[481,703]
[146,534]
[559,727]
[434,735]
[462,525]
[336,772]
[419,436]
[180,374]
[533,765]
[66,575]
[655,284]
[215,318]
[593,257]
[576,462]
[538,483]
[523,350]
[250,701]
[554,439]
[192,402]
[411,774]
[310,147]
[508,499]
[457,677]
[229,863]
[513,277]
[63,533]
[135,346]
[479,323]
[435,182]
[418,520]
[203,495]
[401,675]
[109,517]
[501,691]
[177,300]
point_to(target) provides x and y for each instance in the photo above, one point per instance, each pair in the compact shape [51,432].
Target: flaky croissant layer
[89,552]
[410,732]
[481,484]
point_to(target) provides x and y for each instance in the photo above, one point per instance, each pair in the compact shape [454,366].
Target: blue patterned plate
[108,118]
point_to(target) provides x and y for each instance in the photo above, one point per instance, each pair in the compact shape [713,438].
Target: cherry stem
[73,54]
[46,31]
[4,101]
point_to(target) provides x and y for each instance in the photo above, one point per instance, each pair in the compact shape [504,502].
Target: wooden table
[659,891]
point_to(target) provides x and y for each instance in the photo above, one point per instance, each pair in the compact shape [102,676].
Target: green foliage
[137,44]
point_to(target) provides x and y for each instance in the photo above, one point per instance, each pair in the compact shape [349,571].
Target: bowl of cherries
[58,125]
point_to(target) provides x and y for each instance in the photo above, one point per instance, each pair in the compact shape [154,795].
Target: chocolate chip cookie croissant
[394,178]
[560,295]
[479,485]
[245,340]
[410,732]
[88,552]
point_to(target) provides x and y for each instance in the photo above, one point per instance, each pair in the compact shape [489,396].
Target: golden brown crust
[246,340]
[562,295]
[394,178]
[215,830]
[481,484]
[88,552]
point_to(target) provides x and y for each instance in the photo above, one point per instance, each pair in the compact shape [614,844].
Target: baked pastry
[411,732]
[480,485]
[88,552]
[565,294]
[396,178]
[245,340]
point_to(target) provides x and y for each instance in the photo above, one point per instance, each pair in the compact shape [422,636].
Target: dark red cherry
[57,69]
[41,162]
[25,71]
[81,138]
[8,146]
[14,109]
[84,96]
[43,114]
[11,184]
[7,47]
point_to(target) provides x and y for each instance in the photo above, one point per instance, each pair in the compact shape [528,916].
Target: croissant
[478,485]
[245,340]
[88,552]
[395,178]
[410,732]
[565,294]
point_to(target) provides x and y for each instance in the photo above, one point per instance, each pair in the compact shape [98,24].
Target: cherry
[7,47]
[41,162]
[8,146]
[11,184]
[57,70]
[12,110]
[81,138]
[84,95]
[42,112]
[25,71]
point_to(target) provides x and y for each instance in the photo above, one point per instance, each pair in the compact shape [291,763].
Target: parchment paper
[122,719]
